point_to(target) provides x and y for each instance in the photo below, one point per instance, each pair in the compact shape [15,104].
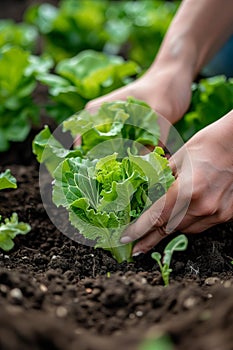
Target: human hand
[200,197]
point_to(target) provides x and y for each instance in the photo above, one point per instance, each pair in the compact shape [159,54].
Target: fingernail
[137,254]
[125,239]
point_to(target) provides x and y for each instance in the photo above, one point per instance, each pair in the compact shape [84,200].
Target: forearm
[198,30]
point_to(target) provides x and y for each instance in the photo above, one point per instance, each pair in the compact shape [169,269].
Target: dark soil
[61,295]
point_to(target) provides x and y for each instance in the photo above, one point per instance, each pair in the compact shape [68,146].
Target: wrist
[170,87]
[180,54]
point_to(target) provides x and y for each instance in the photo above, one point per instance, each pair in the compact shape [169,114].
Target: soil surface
[58,294]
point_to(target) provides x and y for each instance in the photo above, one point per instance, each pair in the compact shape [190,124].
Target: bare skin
[193,203]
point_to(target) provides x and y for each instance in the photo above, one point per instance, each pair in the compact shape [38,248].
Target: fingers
[156,216]
[149,241]
[198,225]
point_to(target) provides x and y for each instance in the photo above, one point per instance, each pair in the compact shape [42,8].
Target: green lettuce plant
[178,243]
[21,34]
[71,27]
[84,77]
[212,98]
[115,27]
[10,228]
[18,72]
[105,184]
[133,27]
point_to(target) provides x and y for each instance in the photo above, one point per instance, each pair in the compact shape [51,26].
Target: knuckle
[224,216]
[199,186]
[197,192]
[162,232]
[155,219]
[206,208]
[144,246]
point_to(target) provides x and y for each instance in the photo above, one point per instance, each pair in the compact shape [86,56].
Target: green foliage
[103,193]
[9,229]
[161,342]
[18,71]
[71,28]
[103,25]
[84,77]
[178,243]
[115,123]
[7,180]
[138,28]
[18,34]
[212,98]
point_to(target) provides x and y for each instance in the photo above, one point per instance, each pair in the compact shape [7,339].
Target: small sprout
[9,229]
[7,180]
[179,243]
[161,342]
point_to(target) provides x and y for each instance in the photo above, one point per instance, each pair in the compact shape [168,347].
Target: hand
[200,197]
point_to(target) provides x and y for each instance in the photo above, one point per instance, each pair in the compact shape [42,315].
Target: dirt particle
[61,312]
[210,281]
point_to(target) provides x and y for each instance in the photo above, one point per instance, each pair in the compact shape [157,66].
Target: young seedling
[10,228]
[179,243]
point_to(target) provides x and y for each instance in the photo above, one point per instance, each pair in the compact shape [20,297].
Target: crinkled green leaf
[119,119]
[106,237]
[9,229]
[7,180]
[91,71]
[50,151]
[75,179]
[86,76]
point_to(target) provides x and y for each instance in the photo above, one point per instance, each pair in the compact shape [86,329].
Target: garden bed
[55,292]
[58,294]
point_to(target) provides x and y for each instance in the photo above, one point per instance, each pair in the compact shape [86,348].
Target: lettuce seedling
[178,243]
[10,228]
[7,180]
[106,184]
